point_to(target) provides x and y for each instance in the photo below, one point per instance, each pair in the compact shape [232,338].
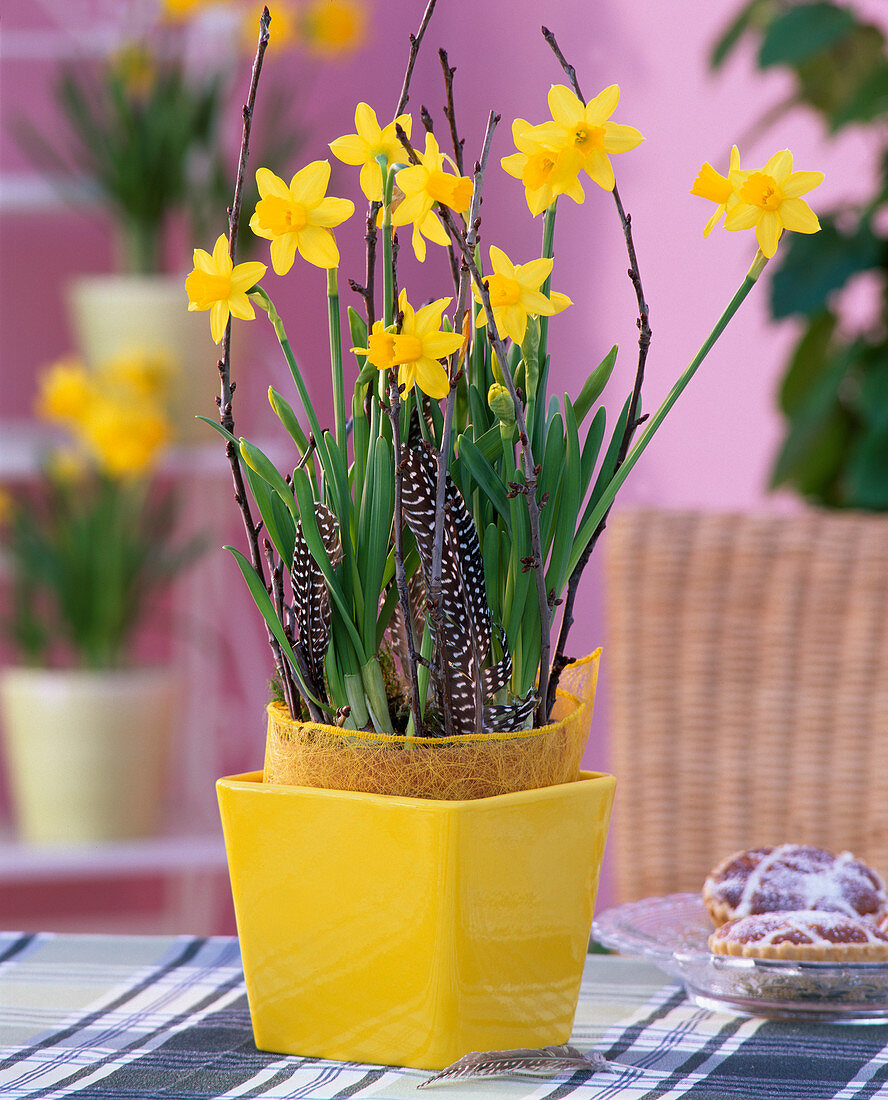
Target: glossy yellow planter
[404,931]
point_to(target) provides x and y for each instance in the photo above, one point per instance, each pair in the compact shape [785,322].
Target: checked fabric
[166,1018]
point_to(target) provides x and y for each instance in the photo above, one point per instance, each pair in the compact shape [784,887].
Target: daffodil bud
[501,405]
[530,348]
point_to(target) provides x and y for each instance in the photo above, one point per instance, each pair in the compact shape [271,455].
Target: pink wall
[716,449]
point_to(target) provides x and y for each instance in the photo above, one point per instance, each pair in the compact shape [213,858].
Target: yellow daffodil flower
[333,27]
[144,374]
[371,141]
[541,170]
[299,218]
[7,504]
[423,185]
[515,292]
[182,9]
[65,392]
[420,344]
[771,201]
[215,284]
[416,349]
[583,137]
[380,349]
[712,185]
[125,439]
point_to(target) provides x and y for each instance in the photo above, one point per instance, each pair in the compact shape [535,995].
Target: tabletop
[166,1018]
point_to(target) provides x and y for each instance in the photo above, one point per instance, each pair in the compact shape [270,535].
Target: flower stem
[388,305]
[616,482]
[374,695]
[394,410]
[336,358]
[548,252]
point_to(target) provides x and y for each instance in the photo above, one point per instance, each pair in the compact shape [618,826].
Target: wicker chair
[747,658]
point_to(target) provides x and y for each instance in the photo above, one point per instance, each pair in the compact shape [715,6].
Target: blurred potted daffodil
[91,547]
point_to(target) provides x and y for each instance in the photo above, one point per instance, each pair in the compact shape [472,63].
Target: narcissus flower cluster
[115,416]
[579,138]
[426,187]
[768,200]
[410,551]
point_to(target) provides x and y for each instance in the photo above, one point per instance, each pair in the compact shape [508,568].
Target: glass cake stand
[673,932]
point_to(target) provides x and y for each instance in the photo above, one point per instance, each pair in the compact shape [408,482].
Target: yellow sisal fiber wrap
[306,754]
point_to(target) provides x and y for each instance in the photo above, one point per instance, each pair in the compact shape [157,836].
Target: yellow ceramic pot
[405,931]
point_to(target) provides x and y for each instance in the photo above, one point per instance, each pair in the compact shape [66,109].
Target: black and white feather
[311,599]
[543,1062]
[468,630]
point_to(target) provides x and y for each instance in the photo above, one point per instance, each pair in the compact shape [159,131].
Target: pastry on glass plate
[803,935]
[793,877]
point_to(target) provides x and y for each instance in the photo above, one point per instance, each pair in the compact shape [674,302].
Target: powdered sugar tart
[673,933]
[810,934]
[793,877]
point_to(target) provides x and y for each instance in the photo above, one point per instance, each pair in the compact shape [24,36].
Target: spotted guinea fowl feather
[544,1062]
[509,717]
[463,607]
[311,600]
[466,620]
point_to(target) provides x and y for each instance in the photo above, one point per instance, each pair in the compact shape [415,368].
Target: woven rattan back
[747,661]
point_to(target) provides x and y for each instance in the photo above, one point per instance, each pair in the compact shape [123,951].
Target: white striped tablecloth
[166,1018]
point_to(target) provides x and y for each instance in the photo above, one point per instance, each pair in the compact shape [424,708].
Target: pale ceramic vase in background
[118,315]
[87,752]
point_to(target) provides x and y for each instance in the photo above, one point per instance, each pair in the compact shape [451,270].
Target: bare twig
[449,111]
[531,472]
[562,60]
[413,157]
[366,291]
[370,239]
[415,41]
[465,242]
[633,418]
[394,412]
[235,209]
[394,403]
[434,594]
[226,415]
[458,144]
[309,451]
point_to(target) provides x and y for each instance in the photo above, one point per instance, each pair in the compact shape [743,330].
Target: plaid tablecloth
[166,1018]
